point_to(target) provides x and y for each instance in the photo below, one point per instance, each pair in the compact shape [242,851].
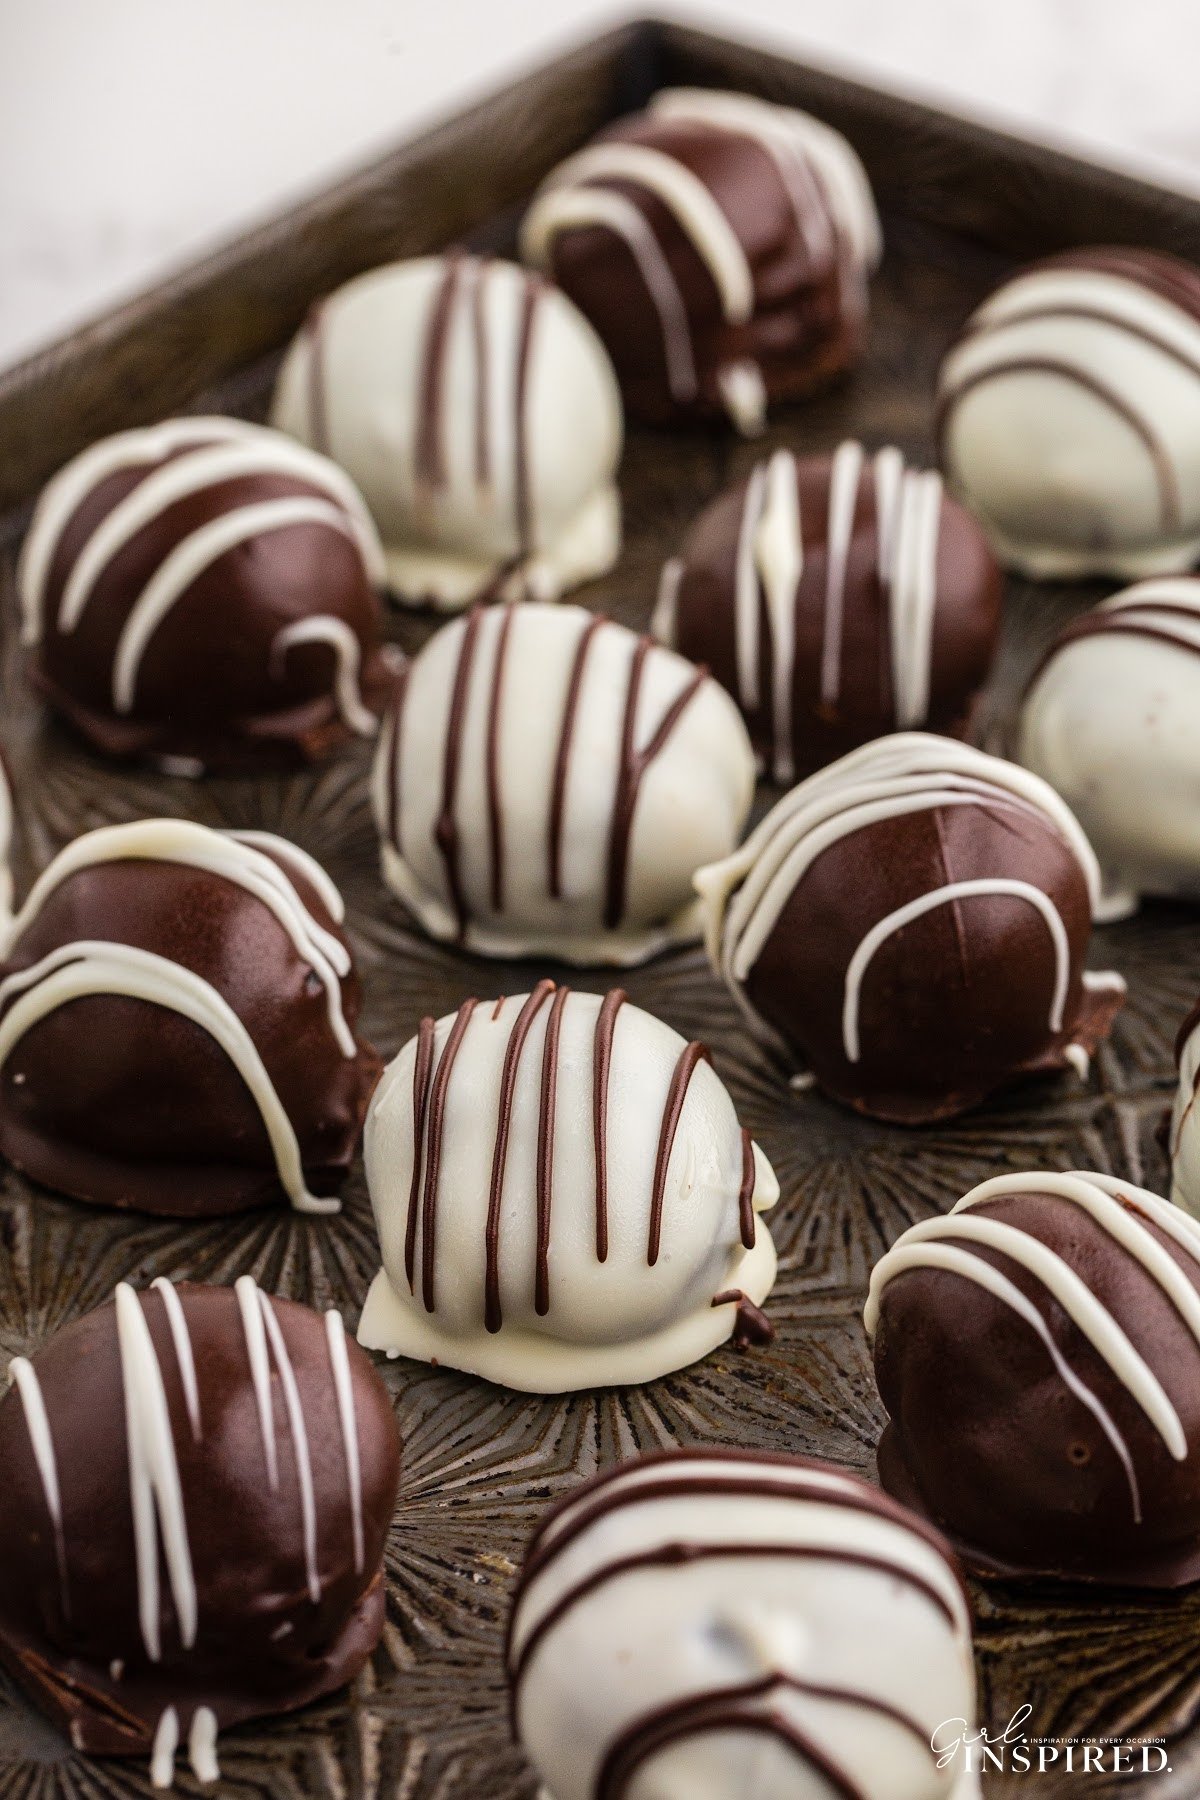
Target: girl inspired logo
[1013,1751]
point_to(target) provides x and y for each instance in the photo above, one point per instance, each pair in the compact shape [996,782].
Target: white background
[136,133]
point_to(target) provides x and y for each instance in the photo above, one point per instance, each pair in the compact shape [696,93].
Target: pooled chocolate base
[295,737]
[103,1717]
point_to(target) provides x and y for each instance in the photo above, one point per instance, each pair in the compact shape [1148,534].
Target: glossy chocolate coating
[807,323]
[990,1443]
[834,709]
[215,688]
[114,1100]
[71,1634]
[956,1006]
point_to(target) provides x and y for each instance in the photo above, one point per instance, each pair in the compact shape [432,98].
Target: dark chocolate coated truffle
[836,598]
[1038,1352]
[910,925]
[203,595]
[177,1024]
[198,1485]
[721,248]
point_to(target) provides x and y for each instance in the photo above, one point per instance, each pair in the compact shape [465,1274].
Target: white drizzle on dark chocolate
[183,460]
[770,563]
[903,774]
[831,200]
[1121,1210]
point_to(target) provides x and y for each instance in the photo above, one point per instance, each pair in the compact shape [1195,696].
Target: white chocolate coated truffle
[710,1625]
[1069,416]
[564,1197]
[478,412]
[548,782]
[1112,720]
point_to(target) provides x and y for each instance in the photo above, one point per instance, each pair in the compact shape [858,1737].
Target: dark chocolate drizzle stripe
[1035,314]
[758,1472]
[699,1713]
[479,338]
[683,1554]
[606,1495]
[446,830]
[630,771]
[606,1024]
[318,411]
[429,451]
[751,1324]
[522,498]
[422,1075]
[1168,486]
[495,811]
[737,1718]
[685,1068]
[562,761]
[545,1152]
[433,1161]
[493,1314]
[1121,622]
[746,1192]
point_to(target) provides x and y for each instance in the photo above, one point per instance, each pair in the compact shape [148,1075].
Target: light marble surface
[134,134]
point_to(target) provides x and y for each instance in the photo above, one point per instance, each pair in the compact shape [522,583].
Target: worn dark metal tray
[427,1718]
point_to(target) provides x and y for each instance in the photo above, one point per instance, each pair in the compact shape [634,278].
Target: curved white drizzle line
[156,1497]
[295,1413]
[1071,1292]
[183,1350]
[957,1261]
[254,1330]
[240,857]
[91,966]
[65,492]
[324,628]
[187,562]
[745,589]
[779,559]
[23,1375]
[570,209]
[817,149]
[845,476]
[208,466]
[770,556]
[944,896]
[343,1388]
[695,210]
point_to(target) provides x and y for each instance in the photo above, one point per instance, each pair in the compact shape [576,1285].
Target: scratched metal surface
[427,1718]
